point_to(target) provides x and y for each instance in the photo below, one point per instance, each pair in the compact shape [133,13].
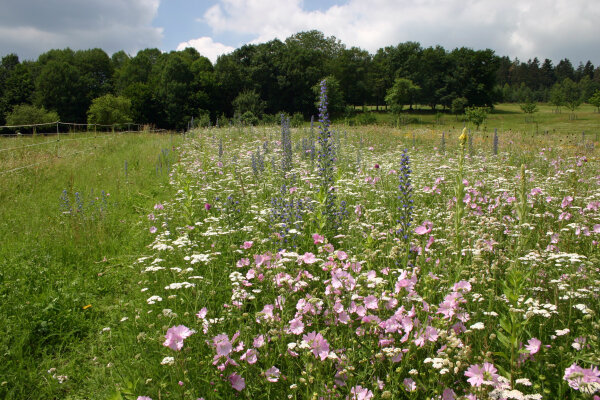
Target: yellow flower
[463,137]
[86,307]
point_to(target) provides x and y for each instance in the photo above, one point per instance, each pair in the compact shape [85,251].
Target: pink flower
[317,238]
[296,326]
[153,229]
[259,341]
[409,384]
[360,393]
[318,344]
[293,189]
[308,258]
[371,302]
[247,245]
[207,206]
[250,356]
[584,379]
[222,344]
[567,200]
[175,335]
[533,345]
[425,228]
[143,398]
[202,313]
[448,394]
[272,374]
[159,206]
[485,375]
[237,382]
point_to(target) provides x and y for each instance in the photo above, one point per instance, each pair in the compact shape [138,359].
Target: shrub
[248,118]
[109,110]
[25,114]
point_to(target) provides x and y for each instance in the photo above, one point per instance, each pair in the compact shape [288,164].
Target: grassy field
[506,117]
[237,263]
[70,228]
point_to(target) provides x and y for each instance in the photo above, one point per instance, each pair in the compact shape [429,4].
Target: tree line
[169,89]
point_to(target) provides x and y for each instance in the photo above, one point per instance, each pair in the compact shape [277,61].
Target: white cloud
[31,27]
[207,47]
[544,28]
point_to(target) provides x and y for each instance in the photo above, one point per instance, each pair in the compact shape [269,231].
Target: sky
[523,29]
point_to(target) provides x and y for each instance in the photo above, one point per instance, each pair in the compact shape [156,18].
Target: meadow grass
[232,281]
[70,227]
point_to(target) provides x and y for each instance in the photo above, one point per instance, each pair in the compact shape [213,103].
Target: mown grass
[70,226]
[504,117]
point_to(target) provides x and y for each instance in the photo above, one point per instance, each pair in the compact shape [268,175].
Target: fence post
[58,139]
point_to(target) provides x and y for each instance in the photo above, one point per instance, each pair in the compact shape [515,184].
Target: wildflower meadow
[334,262]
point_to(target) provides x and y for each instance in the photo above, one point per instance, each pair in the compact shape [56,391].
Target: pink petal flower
[237,382]
[533,345]
[308,258]
[175,336]
[202,313]
[425,228]
[272,374]
[360,393]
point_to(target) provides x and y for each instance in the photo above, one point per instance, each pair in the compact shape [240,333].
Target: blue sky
[554,29]
[180,20]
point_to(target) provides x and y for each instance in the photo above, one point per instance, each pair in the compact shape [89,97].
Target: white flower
[168,361]
[153,299]
[562,332]
[478,326]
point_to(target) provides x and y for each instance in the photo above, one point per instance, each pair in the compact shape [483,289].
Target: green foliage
[557,96]
[297,120]
[109,110]
[476,115]
[403,92]
[366,118]
[249,101]
[529,108]
[248,118]
[458,105]
[27,114]
[571,94]
[595,100]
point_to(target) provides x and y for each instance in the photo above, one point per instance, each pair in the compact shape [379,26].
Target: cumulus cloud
[31,27]
[207,47]
[544,28]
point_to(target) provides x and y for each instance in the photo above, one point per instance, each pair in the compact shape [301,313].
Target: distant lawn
[504,117]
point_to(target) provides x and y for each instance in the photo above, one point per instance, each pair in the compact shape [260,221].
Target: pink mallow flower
[585,380]
[308,258]
[237,382]
[317,238]
[478,375]
[222,344]
[533,345]
[272,374]
[318,344]
[360,393]
[425,228]
[175,336]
